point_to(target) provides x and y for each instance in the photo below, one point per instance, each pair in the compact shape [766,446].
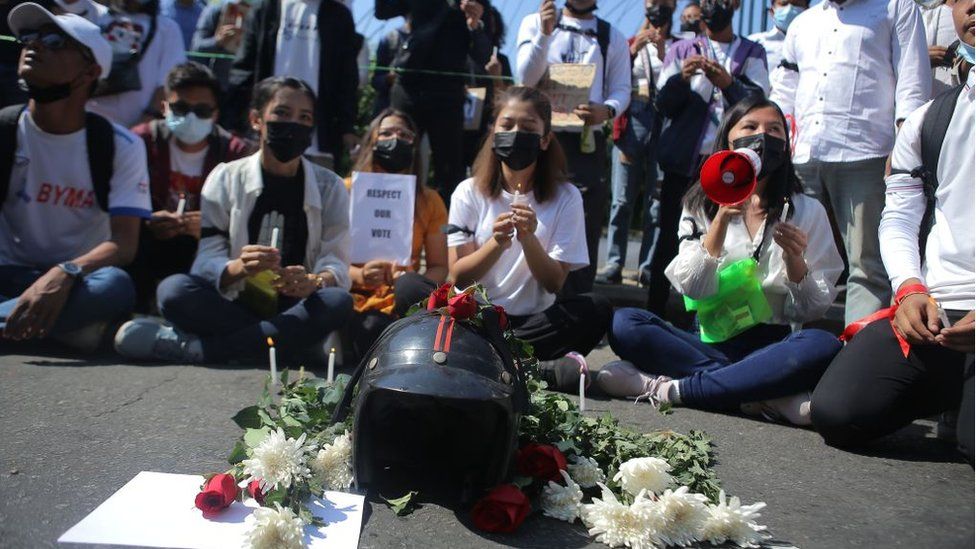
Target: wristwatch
[71,269]
[613,111]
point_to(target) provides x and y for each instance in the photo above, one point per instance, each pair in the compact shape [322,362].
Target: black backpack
[99,138]
[935,124]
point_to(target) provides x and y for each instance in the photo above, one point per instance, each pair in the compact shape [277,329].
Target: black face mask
[691,26]
[580,11]
[287,140]
[717,15]
[659,16]
[518,150]
[772,150]
[49,94]
[393,155]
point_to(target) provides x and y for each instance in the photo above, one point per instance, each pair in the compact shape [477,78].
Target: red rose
[438,298]
[217,494]
[502,317]
[541,462]
[254,490]
[502,510]
[462,306]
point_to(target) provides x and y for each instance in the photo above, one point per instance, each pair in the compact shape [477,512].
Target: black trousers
[673,188]
[871,389]
[156,260]
[572,323]
[589,173]
[441,117]
[365,328]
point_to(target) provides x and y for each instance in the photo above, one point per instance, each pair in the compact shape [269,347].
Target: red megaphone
[729,177]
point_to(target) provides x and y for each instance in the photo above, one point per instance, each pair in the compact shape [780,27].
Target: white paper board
[381,217]
[157,510]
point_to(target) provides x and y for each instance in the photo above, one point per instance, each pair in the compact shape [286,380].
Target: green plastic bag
[259,295]
[738,305]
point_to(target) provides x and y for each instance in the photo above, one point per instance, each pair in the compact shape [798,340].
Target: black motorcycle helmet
[438,408]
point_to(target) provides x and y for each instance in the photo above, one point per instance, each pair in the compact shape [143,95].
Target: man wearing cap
[74,189]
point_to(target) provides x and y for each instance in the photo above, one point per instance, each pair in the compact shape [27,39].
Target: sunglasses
[182,108]
[51,40]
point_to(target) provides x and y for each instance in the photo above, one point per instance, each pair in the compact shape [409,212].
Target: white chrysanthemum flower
[646,473]
[562,502]
[275,528]
[278,461]
[732,521]
[585,471]
[684,515]
[332,466]
[616,524]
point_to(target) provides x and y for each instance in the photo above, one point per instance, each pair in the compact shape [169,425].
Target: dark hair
[364,162]
[781,185]
[266,89]
[498,28]
[550,167]
[192,75]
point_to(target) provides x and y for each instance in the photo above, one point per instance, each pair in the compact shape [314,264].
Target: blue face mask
[784,15]
[966,52]
[189,129]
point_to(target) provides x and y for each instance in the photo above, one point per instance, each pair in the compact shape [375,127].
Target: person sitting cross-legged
[73,188]
[759,367]
[272,261]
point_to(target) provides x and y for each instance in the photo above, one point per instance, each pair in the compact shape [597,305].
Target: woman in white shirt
[765,369]
[517,229]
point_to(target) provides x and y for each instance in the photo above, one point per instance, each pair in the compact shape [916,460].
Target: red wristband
[911,289]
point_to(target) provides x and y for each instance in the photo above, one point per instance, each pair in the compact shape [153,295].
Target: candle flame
[333,350]
[270,342]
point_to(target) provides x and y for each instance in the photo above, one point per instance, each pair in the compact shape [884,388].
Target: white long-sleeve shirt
[694,272]
[861,67]
[536,52]
[949,270]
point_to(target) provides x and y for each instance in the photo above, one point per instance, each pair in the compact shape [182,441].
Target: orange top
[429,217]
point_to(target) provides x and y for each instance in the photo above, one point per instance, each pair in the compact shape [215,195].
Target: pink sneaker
[622,379]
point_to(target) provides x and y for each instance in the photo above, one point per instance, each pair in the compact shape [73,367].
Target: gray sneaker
[620,378]
[150,339]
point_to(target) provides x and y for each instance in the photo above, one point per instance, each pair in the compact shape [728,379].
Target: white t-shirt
[186,177]
[510,283]
[165,52]
[298,48]
[722,53]
[51,213]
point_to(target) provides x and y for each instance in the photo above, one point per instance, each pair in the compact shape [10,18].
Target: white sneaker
[150,339]
[85,340]
[793,409]
[622,379]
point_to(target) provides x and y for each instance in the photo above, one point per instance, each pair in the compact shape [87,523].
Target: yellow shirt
[429,216]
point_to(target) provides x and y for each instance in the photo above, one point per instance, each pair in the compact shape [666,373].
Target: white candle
[582,391]
[786,212]
[273,360]
[181,206]
[331,365]
[274,237]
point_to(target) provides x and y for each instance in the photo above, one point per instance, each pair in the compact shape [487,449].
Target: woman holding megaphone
[756,257]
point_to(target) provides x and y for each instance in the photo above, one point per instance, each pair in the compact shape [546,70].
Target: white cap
[31,16]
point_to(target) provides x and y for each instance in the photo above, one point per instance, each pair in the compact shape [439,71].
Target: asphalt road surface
[72,432]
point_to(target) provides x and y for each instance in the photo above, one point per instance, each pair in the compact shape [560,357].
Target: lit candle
[273,360]
[518,198]
[331,365]
[582,391]
[301,372]
[181,206]
[274,237]
[786,211]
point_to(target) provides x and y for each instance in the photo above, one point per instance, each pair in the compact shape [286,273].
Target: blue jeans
[763,363]
[105,295]
[228,330]
[638,144]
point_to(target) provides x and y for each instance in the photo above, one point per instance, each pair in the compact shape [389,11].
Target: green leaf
[403,505]
[238,454]
[253,437]
[248,418]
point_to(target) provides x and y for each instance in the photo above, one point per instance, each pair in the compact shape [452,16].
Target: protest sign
[568,86]
[381,217]
[474,104]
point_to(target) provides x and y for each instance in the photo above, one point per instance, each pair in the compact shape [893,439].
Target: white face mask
[189,129]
